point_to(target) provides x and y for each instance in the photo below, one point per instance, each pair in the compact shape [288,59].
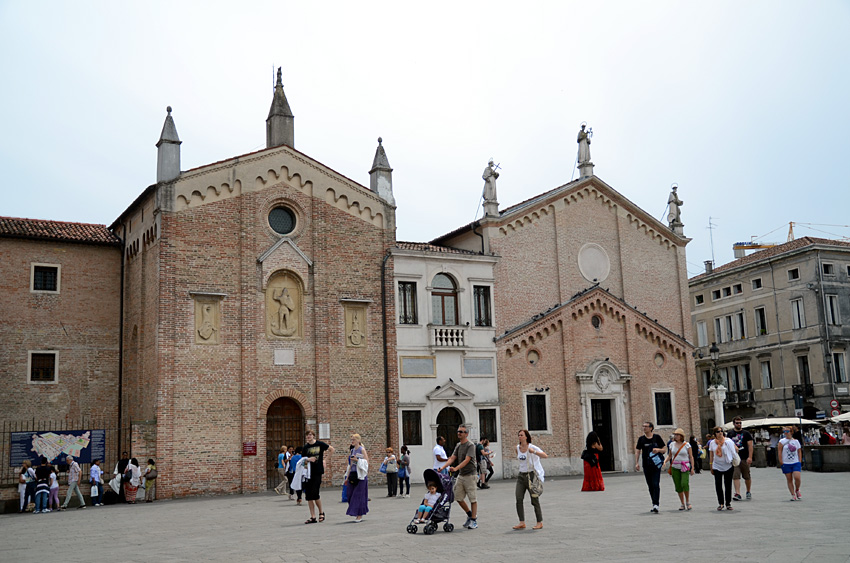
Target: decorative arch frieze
[208,195]
[362,210]
[533,336]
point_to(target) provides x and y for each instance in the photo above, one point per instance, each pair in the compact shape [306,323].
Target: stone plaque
[593,263]
[207,319]
[355,325]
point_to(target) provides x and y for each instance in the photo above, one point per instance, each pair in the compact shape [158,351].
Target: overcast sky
[745,105]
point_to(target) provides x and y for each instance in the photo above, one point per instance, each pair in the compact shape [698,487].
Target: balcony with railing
[444,336]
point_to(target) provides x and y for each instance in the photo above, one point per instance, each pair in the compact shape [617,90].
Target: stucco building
[779,318]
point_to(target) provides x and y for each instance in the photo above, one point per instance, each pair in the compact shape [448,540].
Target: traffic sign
[835,412]
[798,413]
[834,404]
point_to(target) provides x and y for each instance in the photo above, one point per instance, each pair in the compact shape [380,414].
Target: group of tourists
[41,484]
[730,455]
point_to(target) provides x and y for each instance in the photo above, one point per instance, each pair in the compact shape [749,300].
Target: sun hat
[680,432]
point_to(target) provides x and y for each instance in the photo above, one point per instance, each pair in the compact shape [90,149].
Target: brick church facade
[234,305]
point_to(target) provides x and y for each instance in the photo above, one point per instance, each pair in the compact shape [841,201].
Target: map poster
[83,445]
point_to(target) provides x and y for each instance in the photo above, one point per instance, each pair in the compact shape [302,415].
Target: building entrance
[447,422]
[601,419]
[284,427]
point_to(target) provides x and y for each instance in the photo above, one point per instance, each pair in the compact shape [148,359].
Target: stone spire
[168,151]
[280,125]
[381,175]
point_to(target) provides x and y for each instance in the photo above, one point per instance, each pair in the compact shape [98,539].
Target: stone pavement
[614,525]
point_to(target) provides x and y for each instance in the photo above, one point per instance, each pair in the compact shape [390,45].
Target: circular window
[282,220]
[533,357]
[659,359]
[596,321]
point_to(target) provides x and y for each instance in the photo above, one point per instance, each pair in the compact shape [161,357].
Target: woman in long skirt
[358,484]
[592,472]
[132,486]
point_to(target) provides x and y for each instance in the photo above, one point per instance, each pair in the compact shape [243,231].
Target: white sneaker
[473,525]
[654,509]
[467,523]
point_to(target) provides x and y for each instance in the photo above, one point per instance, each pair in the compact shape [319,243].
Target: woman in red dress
[592,472]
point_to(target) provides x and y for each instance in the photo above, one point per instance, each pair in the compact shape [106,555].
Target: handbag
[535,484]
[152,474]
[670,469]
[657,460]
[402,472]
[383,468]
[736,459]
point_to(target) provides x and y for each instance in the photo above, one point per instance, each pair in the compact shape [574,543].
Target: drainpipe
[121,340]
[474,226]
[386,346]
[778,337]
[824,305]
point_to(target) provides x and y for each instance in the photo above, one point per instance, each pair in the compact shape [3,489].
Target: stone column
[718,395]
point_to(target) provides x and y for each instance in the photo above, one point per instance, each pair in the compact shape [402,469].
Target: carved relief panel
[207,319]
[284,306]
[355,325]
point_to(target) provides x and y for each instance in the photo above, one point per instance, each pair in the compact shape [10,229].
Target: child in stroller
[436,506]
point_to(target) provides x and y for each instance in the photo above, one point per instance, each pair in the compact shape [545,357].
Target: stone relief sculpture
[206,320]
[355,333]
[283,306]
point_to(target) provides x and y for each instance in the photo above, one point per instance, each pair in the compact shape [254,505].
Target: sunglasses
[462,432]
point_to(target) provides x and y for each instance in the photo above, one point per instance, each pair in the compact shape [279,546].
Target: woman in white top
[721,451]
[132,486]
[529,460]
[790,452]
[681,459]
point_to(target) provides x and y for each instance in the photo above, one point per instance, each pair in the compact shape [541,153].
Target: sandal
[538,526]
[729,507]
[519,527]
[682,507]
[321,516]
[690,507]
[311,521]
[720,507]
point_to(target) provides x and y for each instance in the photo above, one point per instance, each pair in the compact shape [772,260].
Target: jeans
[721,478]
[404,480]
[392,484]
[41,501]
[97,499]
[653,480]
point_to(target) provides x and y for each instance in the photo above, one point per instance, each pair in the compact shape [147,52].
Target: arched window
[443,301]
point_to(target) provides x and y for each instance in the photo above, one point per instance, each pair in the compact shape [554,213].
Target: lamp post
[717,391]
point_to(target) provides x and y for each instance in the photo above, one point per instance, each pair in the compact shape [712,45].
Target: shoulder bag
[535,484]
[672,459]
[151,474]
[736,459]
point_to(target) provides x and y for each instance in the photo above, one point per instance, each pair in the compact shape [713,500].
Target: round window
[282,220]
[596,321]
[533,357]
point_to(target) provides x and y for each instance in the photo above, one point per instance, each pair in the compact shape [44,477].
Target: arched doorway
[447,422]
[284,427]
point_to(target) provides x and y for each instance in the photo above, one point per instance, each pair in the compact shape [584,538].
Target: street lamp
[714,351]
[717,391]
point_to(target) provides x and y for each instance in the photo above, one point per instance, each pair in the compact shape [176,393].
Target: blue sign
[83,445]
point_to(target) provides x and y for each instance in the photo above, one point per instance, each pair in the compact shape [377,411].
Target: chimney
[709,266]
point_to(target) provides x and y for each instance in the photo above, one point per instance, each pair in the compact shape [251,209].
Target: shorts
[311,488]
[791,467]
[742,470]
[466,486]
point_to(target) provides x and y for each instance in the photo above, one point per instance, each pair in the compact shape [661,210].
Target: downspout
[475,225]
[830,371]
[778,336]
[121,340]
[386,346]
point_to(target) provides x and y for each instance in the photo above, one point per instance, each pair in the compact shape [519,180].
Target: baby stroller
[442,508]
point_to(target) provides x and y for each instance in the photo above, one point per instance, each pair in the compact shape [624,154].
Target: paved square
[614,525]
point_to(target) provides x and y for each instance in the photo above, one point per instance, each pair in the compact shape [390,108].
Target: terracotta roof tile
[772,252]
[38,229]
[424,246]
